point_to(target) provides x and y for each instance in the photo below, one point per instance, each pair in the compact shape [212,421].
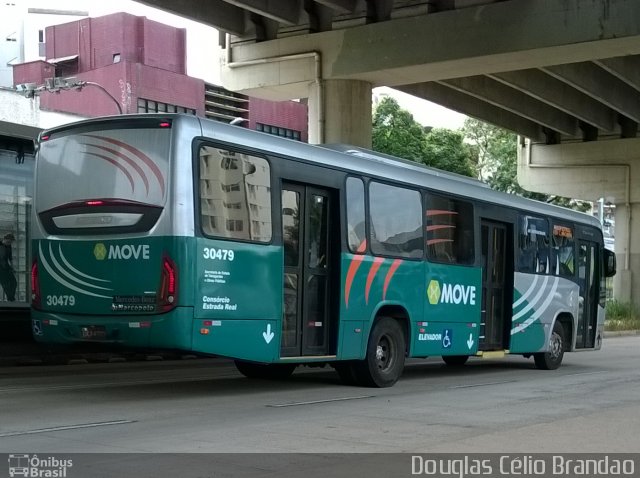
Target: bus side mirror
[609,263]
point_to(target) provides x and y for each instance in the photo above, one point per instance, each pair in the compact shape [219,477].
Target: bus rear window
[102,181]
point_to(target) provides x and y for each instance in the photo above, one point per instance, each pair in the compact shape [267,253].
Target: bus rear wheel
[552,359]
[272,371]
[384,360]
[455,360]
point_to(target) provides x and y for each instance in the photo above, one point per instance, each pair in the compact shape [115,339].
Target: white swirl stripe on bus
[529,291]
[80,273]
[63,282]
[533,302]
[541,310]
[67,274]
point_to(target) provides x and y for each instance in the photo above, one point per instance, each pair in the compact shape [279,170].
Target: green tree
[445,149]
[497,162]
[397,133]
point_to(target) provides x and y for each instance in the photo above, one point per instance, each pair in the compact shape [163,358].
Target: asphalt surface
[138,415]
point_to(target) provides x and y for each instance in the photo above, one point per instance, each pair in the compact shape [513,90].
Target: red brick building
[142,66]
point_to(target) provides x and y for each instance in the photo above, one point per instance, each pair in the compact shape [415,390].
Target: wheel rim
[384,353]
[555,346]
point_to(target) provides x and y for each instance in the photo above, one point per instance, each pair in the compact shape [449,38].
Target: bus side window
[449,225]
[356,233]
[563,250]
[533,245]
[396,221]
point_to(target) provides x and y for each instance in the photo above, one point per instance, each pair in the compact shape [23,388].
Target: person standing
[7,277]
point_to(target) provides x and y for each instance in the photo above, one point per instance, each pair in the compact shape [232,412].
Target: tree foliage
[395,132]
[497,162]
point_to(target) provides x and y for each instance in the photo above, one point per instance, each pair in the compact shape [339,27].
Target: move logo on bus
[451,293]
[117,251]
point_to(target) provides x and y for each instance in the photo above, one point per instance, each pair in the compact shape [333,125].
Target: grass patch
[622,316]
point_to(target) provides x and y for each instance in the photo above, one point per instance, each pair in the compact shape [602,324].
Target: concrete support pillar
[627,242]
[340,112]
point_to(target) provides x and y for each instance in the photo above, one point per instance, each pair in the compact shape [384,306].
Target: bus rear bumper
[170,330]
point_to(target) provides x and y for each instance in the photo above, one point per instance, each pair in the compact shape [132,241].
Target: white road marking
[67,427]
[313,402]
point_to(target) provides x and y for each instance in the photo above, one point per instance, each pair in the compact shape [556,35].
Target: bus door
[588,261]
[308,219]
[496,263]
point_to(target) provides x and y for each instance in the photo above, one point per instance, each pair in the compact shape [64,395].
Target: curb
[620,333]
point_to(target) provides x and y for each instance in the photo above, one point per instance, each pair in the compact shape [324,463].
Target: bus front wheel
[384,360]
[552,359]
[272,371]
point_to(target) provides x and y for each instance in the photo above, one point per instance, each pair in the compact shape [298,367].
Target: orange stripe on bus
[387,280]
[377,262]
[441,226]
[437,241]
[351,273]
[440,212]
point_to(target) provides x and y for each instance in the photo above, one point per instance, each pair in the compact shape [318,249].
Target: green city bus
[177,232]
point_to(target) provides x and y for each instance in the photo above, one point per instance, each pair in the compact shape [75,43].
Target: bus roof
[347,158]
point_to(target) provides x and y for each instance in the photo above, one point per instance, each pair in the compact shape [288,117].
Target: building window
[148,106]
[278,131]
[396,221]
[227,188]
[40,36]
[229,163]
[234,225]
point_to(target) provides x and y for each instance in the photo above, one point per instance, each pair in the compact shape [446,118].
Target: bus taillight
[35,285]
[168,285]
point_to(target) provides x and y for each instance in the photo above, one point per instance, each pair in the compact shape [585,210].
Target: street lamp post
[54,85]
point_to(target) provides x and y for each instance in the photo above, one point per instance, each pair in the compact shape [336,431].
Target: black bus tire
[384,358]
[272,371]
[552,359]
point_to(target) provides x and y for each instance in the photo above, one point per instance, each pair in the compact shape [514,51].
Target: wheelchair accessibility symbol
[36,327]
[447,335]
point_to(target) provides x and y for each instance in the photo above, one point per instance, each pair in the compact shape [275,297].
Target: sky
[203,54]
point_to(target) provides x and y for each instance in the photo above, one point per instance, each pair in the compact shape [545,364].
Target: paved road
[589,405]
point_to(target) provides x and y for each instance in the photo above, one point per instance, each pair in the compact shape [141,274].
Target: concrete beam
[471,106]
[505,97]
[465,42]
[625,68]
[584,170]
[600,85]
[554,92]
[341,6]
[16,130]
[216,13]
[283,12]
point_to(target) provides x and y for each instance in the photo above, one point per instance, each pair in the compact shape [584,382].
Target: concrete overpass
[563,74]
